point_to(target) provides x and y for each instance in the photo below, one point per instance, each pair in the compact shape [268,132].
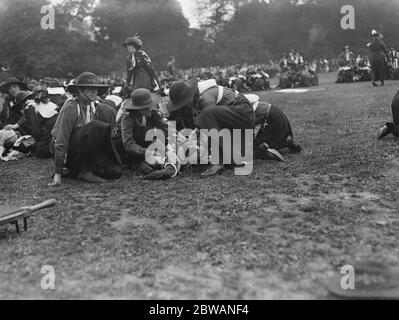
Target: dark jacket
[69,120]
[10,114]
[378,50]
[134,132]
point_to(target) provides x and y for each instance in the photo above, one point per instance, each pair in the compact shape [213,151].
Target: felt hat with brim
[5,86]
[181,93]
[372,280]
[133,41]
[142,99]
[22,96]
[87,80]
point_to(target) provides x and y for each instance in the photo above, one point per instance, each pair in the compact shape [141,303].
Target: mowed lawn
[277,234]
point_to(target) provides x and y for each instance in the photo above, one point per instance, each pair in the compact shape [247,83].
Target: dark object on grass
[145,169]
[164,174]
[14,214]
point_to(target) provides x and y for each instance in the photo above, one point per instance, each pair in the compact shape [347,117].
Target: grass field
[277,234]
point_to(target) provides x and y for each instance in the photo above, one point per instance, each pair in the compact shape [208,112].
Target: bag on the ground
[25,144]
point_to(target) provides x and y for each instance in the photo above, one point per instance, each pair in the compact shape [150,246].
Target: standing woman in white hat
[140,73]
[378,59]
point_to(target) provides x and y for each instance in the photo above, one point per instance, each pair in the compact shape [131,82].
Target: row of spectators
[252,77]
[355,68]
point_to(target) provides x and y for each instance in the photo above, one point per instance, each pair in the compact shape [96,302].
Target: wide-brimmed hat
[87,80]
[142,99]
[5,86]
[22,96]
[181,93]
[133,41]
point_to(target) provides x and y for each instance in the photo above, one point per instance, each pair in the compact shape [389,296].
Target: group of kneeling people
[93,140]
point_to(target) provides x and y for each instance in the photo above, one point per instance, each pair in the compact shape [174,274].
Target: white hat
[117,100]
[374,32]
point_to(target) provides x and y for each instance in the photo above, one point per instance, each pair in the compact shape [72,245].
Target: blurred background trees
[89,33]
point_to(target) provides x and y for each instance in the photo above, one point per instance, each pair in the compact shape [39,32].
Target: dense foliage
[88,36]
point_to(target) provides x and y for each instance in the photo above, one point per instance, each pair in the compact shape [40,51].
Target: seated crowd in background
[296,72]
[353,68]
[92,133]
[357,68]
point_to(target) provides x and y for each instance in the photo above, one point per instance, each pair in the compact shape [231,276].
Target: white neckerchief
[133,60]
[46,110]
[90,111]
[143,121]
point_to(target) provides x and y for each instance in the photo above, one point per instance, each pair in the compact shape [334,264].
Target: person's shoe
[264,152]
[384,131]
[273,154]
[90,177]
[294,147]
[261,152]
[375,85]
[213,170]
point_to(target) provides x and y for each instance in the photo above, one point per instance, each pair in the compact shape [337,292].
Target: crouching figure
[391,127]
[272,133]
[141,115]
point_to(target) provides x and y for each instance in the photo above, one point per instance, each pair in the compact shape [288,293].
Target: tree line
[88,33]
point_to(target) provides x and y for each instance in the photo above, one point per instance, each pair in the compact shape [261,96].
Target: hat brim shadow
[172,107]
[102,89]
[5,87]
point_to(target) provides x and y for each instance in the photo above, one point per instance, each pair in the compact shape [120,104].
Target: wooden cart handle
[43,205]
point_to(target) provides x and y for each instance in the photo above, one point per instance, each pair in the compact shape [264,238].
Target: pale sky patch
[188,8]
[189,11]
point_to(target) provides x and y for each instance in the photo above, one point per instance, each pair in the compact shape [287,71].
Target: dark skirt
[395,114]
[379,68]
[90,147]
[276,132]
[142,79]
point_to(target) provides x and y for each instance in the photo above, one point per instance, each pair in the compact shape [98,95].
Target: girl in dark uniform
[139,68]
[141,115]
[272,131]
[379,54]
[392,127]
[10,114]
[83,132]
